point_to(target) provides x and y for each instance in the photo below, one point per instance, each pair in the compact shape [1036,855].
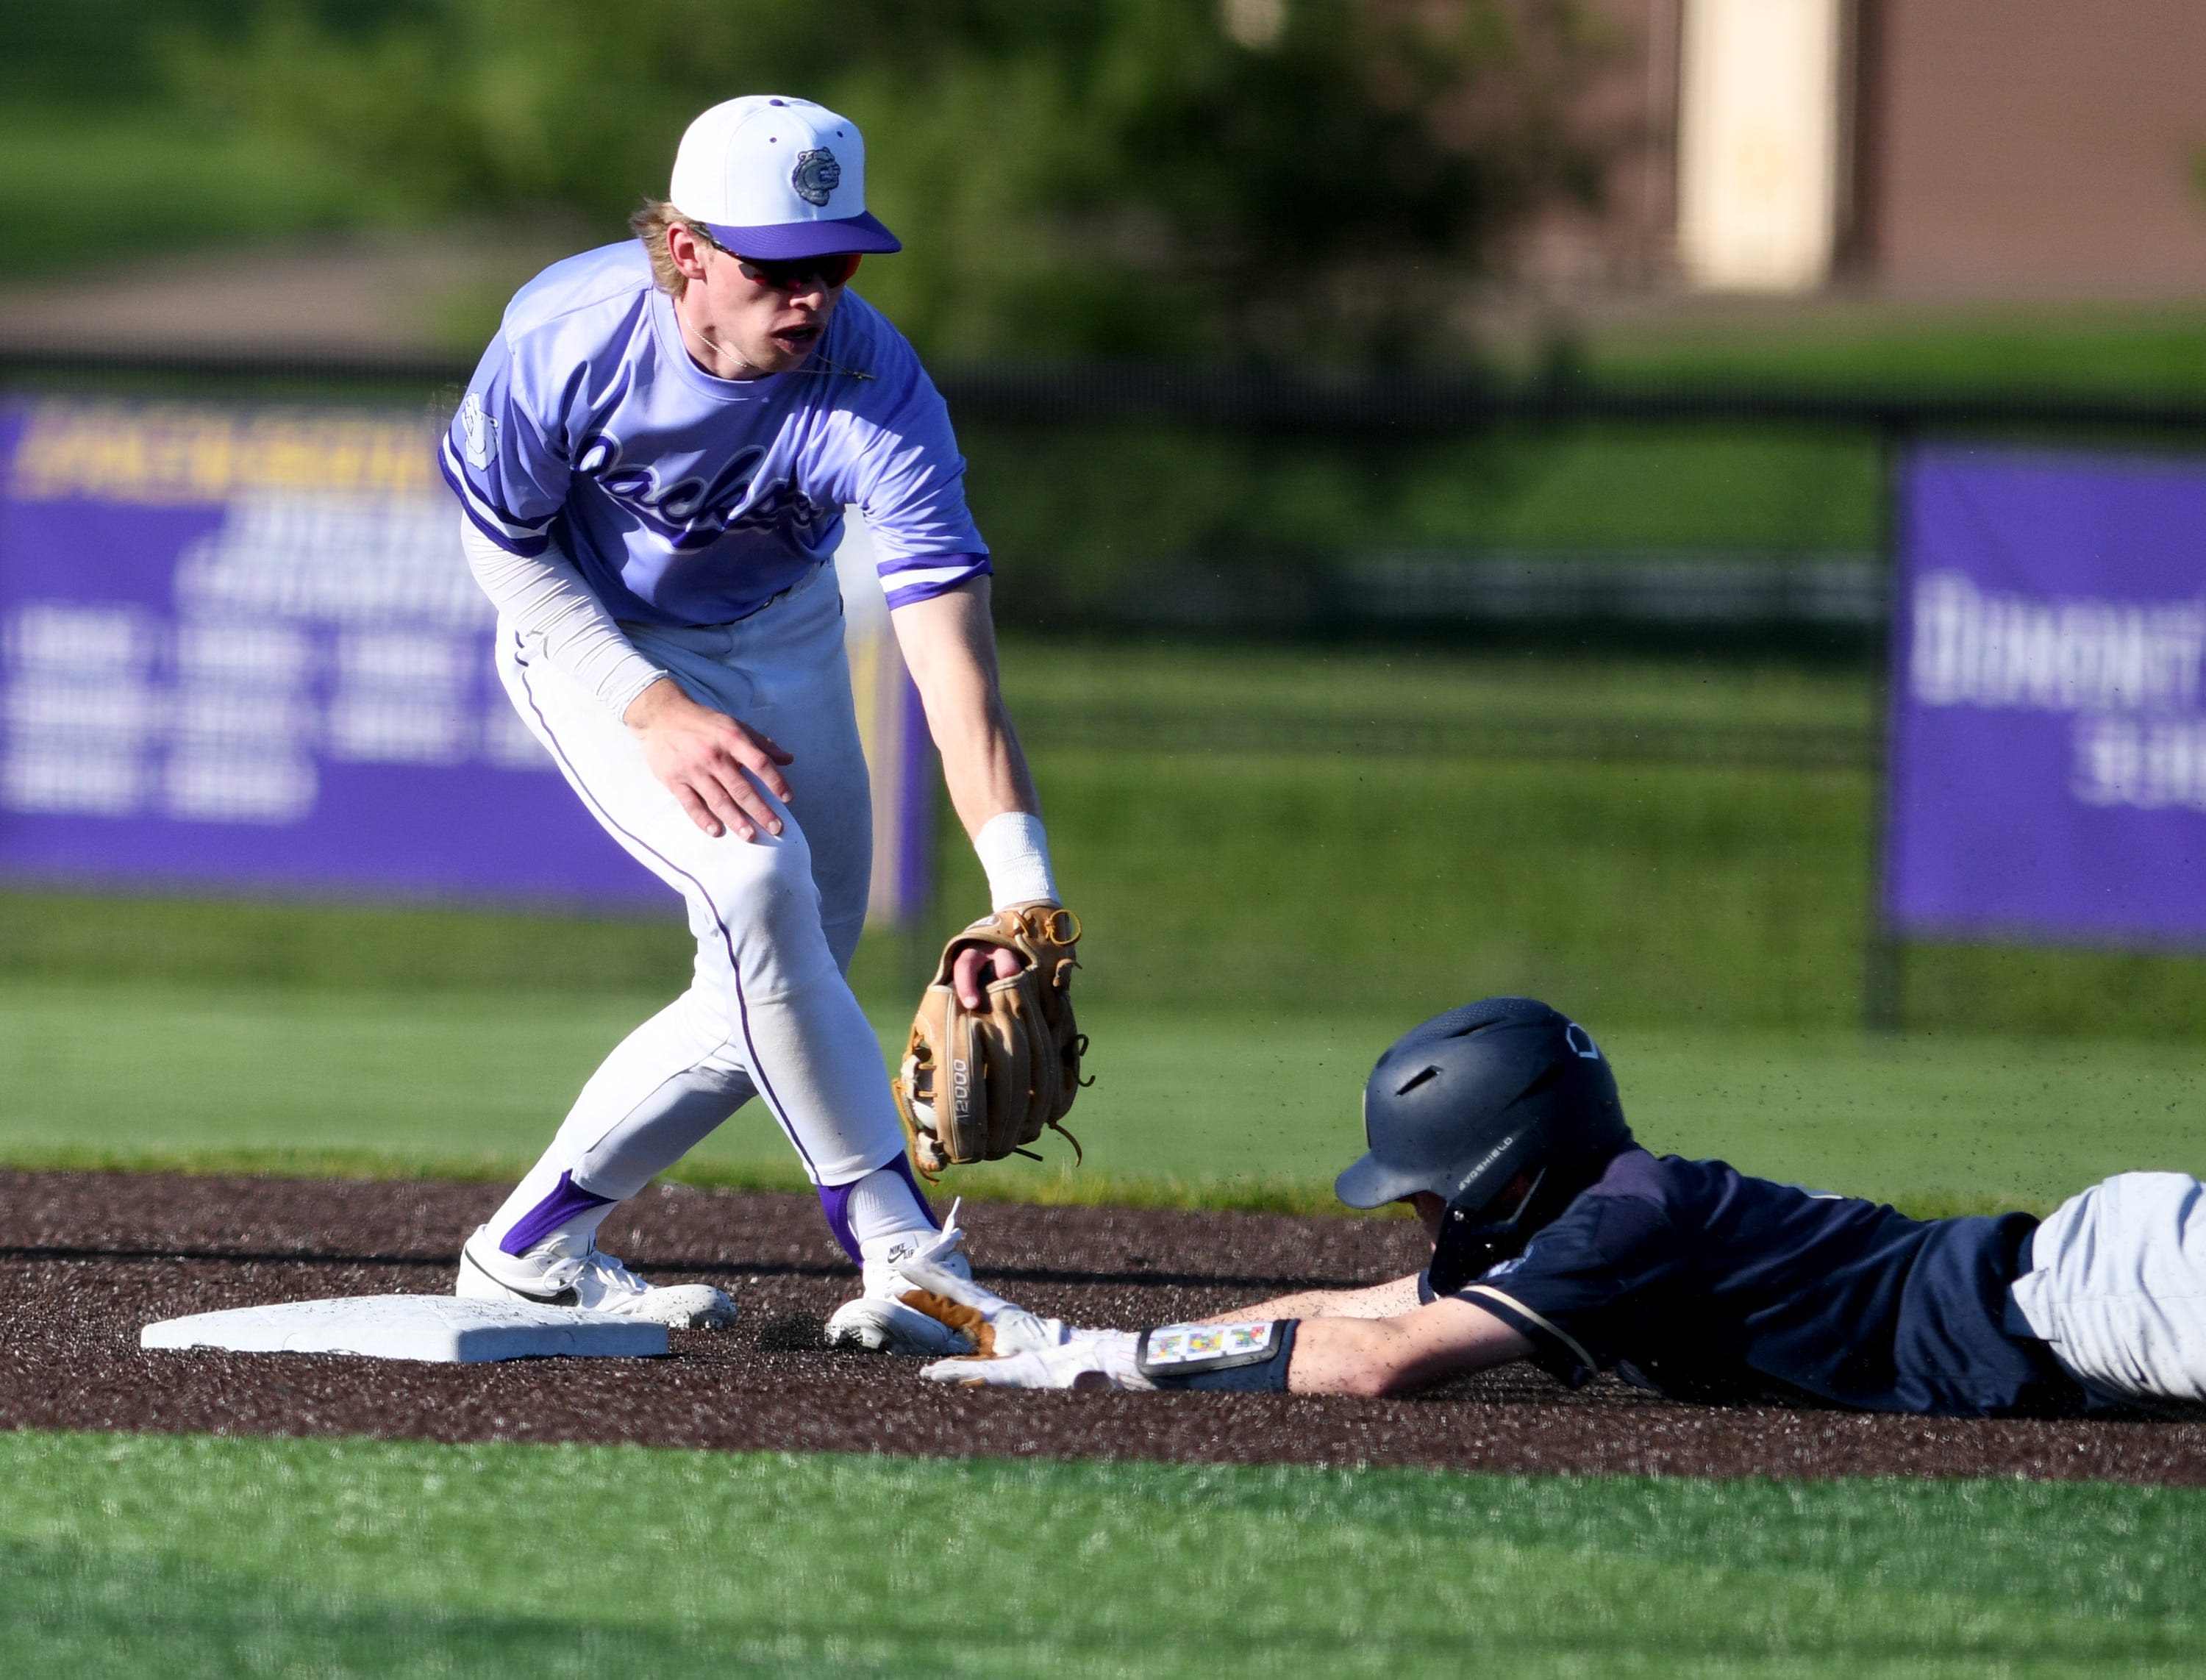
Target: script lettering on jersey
[692,512]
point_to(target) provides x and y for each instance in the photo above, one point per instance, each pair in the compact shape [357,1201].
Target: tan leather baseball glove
[977,1084]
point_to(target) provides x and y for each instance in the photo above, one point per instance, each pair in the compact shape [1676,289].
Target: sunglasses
[796,274]
[800,274]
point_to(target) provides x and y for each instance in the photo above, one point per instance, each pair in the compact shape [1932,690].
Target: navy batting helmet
[1462,1104]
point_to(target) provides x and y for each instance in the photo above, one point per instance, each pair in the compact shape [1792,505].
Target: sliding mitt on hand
[978,1085]
[1013,1347]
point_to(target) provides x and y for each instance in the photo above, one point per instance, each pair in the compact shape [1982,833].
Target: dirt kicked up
[87,1259]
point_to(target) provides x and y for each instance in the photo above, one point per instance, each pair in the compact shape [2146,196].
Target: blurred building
[1960,149]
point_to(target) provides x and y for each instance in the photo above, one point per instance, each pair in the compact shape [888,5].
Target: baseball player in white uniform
[654,457]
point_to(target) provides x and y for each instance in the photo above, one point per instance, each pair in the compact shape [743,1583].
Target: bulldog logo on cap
[817,175]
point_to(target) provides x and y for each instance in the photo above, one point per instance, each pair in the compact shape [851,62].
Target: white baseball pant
[768,1012]
[2117,1287]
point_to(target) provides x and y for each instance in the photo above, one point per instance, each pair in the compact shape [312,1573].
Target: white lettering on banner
[61,777]
[406,661]
[402,698]
[1974,648]
[244,725]
[2129,670]
[88,640]
[248,655]
[207,717]
[238,787]
[335,559]
[106,710]
[120,714]
[392,729]
[80,714]
[2153,764]
[506,741]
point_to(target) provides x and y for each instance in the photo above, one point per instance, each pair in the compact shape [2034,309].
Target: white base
[438,1327]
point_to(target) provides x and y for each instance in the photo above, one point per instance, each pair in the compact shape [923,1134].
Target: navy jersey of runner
[1691,1278]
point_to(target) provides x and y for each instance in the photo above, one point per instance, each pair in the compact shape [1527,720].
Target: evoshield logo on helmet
[1581,1043]
[816,175]
[1490,1157]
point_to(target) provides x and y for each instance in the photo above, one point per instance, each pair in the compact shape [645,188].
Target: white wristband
[1014,850]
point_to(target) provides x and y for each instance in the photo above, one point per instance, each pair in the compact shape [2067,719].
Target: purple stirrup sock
[566,1201]
[835,1203]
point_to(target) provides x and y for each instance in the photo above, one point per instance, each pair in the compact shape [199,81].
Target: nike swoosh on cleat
[566,1297]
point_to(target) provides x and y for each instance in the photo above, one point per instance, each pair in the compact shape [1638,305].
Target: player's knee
[772,941]
[785,917]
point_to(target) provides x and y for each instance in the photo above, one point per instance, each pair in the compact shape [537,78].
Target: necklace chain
[817,363]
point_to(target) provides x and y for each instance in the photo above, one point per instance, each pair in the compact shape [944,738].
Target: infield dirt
[87,1259]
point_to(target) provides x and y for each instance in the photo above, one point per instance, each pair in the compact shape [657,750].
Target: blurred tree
[98,50]
[1239,177]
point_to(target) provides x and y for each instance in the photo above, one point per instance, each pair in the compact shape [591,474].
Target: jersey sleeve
[1583,1291]
[509,479]
[911,485]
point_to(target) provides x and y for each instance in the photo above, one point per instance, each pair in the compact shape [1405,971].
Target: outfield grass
[1259,1110]
[1285,832]
[1696,894]
[2103,348]
[87,185]
[1452,687]
[1242,837]
[194,1556]
[1076,515]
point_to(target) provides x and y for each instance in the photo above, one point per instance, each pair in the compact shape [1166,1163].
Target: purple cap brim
[807,239]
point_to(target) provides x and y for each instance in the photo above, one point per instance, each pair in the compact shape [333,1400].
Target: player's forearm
[1401,1354]
[949,643]
[1379,1301]
[544,597]
[983,765]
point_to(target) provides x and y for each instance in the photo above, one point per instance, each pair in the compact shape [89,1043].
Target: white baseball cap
[776,178]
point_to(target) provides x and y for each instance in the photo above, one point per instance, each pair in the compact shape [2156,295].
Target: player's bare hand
[977,966]
[708,760]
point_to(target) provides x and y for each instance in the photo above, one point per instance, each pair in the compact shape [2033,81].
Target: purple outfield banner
[2048,744]
[239,648]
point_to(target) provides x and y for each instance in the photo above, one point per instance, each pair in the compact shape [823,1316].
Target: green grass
[89,187]
[1260,1111]
[1467,691]
[1396,884]
[196,1556]
[1247,835]
[1305,880]
[2150,349]
[1077,515]
[472,1086]
[1307,864]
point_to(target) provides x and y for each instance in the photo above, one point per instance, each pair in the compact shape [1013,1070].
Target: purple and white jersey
[686,499]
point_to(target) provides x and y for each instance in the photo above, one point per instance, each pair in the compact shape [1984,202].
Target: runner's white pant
[776,919]
[2117,1286]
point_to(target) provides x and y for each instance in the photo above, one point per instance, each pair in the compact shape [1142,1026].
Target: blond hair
[651,224]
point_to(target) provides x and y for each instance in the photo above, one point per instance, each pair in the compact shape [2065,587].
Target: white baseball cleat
[879,1320]
[572,1272]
